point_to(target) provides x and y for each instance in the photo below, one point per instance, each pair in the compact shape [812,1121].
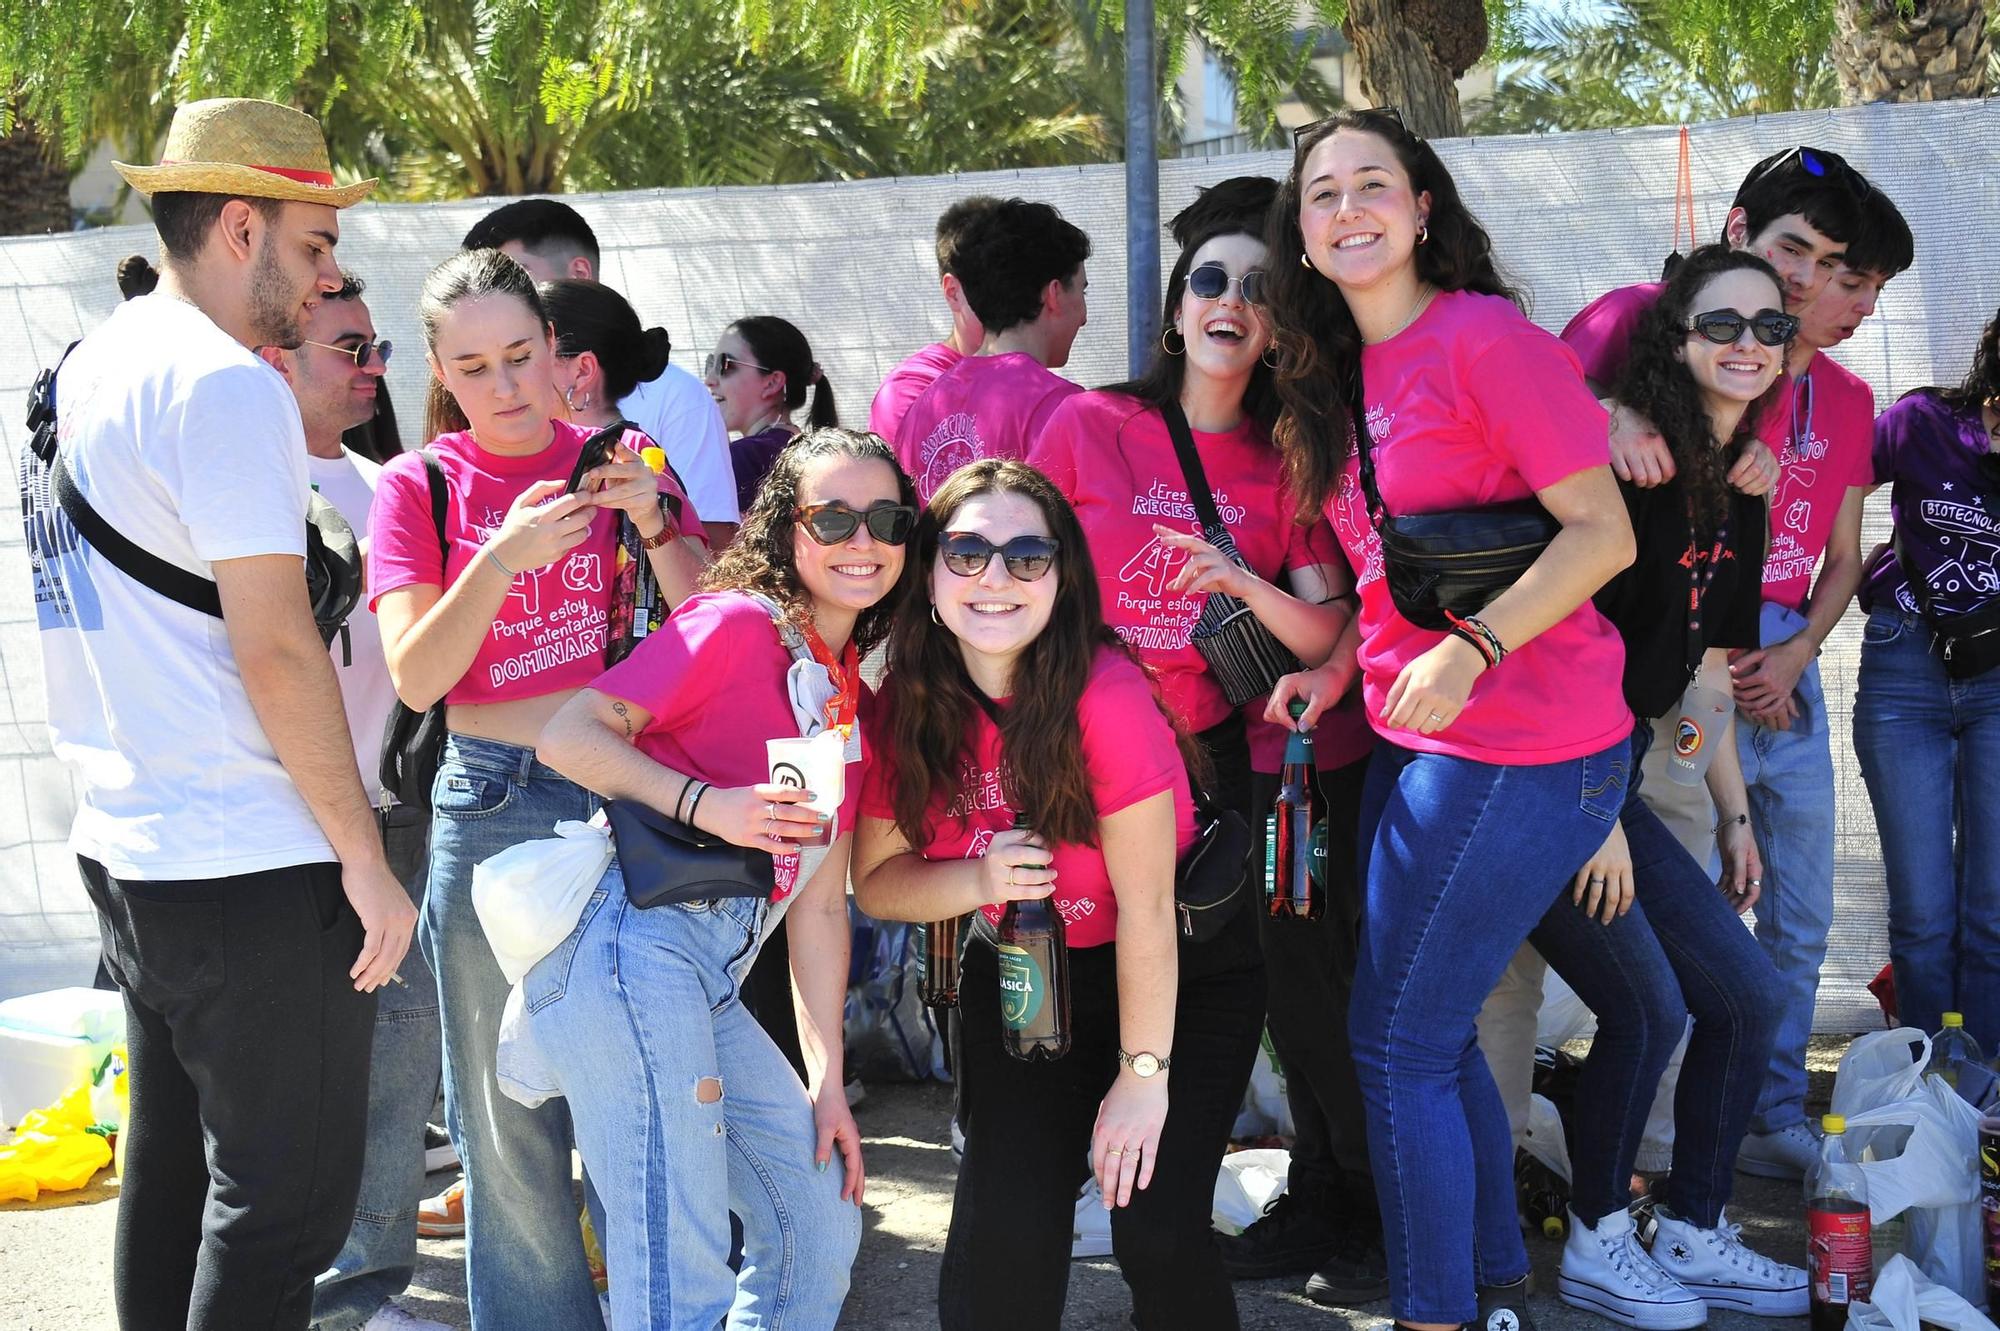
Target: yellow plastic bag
[36,1162]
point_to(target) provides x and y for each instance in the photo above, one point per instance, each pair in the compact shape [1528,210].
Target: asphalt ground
[55,1254]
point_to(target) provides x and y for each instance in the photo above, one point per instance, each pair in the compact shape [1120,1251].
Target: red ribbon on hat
[304,177]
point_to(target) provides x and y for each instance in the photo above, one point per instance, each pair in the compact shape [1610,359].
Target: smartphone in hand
[597,451]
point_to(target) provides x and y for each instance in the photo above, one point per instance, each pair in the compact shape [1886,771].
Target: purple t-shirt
[1945,500]
[751,458]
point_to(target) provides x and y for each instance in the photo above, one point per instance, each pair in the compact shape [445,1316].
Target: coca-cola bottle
[1839,1247]
[1034,977]
[1289,885]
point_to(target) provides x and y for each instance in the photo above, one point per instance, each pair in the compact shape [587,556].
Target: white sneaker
[1714,1264]
[1606,1270]
[1784,1154]
[389,1317]
[439,1153]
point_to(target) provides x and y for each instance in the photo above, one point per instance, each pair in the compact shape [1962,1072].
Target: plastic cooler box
[50,1044]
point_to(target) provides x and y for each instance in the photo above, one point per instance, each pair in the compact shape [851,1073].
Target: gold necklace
[1424,296]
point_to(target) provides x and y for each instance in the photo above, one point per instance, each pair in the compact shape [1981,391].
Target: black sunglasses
[363,352]
[967,554]
[833,522]
[1211,280]
[719,364]
[1390,113]
[1723,327]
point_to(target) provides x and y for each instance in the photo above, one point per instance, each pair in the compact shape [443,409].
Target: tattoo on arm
[625,715]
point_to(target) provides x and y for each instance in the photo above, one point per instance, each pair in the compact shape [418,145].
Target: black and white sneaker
[1504,1307]
[1608,1271]
[439,1153]
[1714,1264]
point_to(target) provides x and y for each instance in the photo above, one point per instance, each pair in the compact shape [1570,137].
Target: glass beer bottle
[938,978]
[1034,977]
[1289,885]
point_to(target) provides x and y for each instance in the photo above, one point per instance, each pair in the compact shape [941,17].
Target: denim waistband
[517,761]
[1896,614]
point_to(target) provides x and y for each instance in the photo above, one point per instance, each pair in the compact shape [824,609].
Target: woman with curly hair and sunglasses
[704,1120]
[1643,935]
[1505,745]
[1009,697]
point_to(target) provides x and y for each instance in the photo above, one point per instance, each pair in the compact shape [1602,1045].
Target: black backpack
[413,741]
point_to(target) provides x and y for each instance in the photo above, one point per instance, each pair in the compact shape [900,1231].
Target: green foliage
[1651,62]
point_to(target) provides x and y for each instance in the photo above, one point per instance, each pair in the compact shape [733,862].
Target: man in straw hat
[245,903]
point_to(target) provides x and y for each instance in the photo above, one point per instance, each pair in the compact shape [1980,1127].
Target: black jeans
[1310,967]
[1006,1259]
[249,1051]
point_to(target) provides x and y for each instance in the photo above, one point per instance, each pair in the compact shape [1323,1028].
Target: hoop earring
[1164,346]
[1423,232]
[934,617]
[1266,357]
[569,399]
[586,402]
[1305,260]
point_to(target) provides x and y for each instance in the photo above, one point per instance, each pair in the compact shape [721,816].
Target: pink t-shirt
[549,633]
[906,383]
[1129,750]
[713,679]
[1473,405]
[1112,455]
[983,407]
[1820,425]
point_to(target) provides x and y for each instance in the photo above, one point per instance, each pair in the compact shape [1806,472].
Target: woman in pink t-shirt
[1008,694]
[503,624]
[1507,745]
[679,1096]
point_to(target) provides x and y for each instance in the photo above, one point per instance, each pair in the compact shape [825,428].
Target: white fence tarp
[851,264]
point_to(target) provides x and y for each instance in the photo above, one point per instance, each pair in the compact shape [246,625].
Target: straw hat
[252,149]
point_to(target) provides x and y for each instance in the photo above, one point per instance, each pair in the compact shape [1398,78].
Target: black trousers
[248,1050]
[1310,966]
[1028,1128]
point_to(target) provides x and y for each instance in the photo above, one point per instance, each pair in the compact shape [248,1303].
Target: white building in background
[1207,91]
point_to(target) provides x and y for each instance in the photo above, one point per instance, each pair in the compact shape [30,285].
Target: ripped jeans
[685,1121]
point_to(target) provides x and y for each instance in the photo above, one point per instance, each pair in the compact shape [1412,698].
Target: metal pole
[1142,187]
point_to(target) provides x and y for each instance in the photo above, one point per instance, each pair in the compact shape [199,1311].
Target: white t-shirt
[676,410]
[192,448]
[348,483]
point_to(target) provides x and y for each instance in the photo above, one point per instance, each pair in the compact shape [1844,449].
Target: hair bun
[136,276]
[656,347]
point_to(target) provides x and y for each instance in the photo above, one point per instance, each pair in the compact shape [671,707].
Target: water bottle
[1839,1254]
[1952,1048]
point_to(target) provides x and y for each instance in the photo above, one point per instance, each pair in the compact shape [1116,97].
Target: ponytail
[823,412]
[776,345]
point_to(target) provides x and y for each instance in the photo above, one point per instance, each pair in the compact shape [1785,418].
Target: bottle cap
[1953,1020]
[654,457]
[1833,1123]
[1297,707]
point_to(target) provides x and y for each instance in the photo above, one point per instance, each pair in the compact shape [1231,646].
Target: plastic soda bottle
[1839,1255]
[1952,1048]
[1034,977]
[1289,885]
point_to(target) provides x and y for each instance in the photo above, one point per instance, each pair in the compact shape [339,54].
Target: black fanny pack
[667,862]
[1969,645]
[1455,562]
[1211,880]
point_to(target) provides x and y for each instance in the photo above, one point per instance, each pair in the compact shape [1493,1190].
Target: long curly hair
[1982,381]
[932,699]
[1658,385]
[760,558]
[1319,346]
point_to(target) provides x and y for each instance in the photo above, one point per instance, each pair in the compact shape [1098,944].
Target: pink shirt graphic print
[983,407]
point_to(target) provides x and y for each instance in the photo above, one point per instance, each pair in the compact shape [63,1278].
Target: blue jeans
[380,1255]
[524,1263]
[1680,950]
[1460,859]
[1930,752]
[618,1011]
[1790,778]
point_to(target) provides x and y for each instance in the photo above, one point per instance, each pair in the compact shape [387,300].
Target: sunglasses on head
[967,554]
[833,522]
[1211,280]
[718,365]
[1389,113]
[362,352]
[1824,165]
[1724,327]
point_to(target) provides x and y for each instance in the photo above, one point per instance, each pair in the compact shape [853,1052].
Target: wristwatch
[669,528]
[1144,1064]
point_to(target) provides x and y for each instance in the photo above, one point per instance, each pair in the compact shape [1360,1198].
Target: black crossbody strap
[1199,494]
[1364,452]
[440,496]
[142,566]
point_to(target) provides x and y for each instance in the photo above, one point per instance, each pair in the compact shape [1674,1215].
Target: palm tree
[34,187]
[1913,50]
[1411,53]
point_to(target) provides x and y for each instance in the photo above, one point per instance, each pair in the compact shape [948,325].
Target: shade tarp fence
[851,264]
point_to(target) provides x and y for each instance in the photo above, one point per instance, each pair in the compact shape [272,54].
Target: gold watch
[669,528]
[1144,1064]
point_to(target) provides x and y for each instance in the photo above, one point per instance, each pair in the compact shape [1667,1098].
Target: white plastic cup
[818,764]
[1696,733]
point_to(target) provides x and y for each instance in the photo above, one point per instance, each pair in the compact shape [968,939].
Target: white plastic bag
[1265,1112]
[1880,1068]
[1545,1138]
[1903,1300]
[1248,1182]
[528,897]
